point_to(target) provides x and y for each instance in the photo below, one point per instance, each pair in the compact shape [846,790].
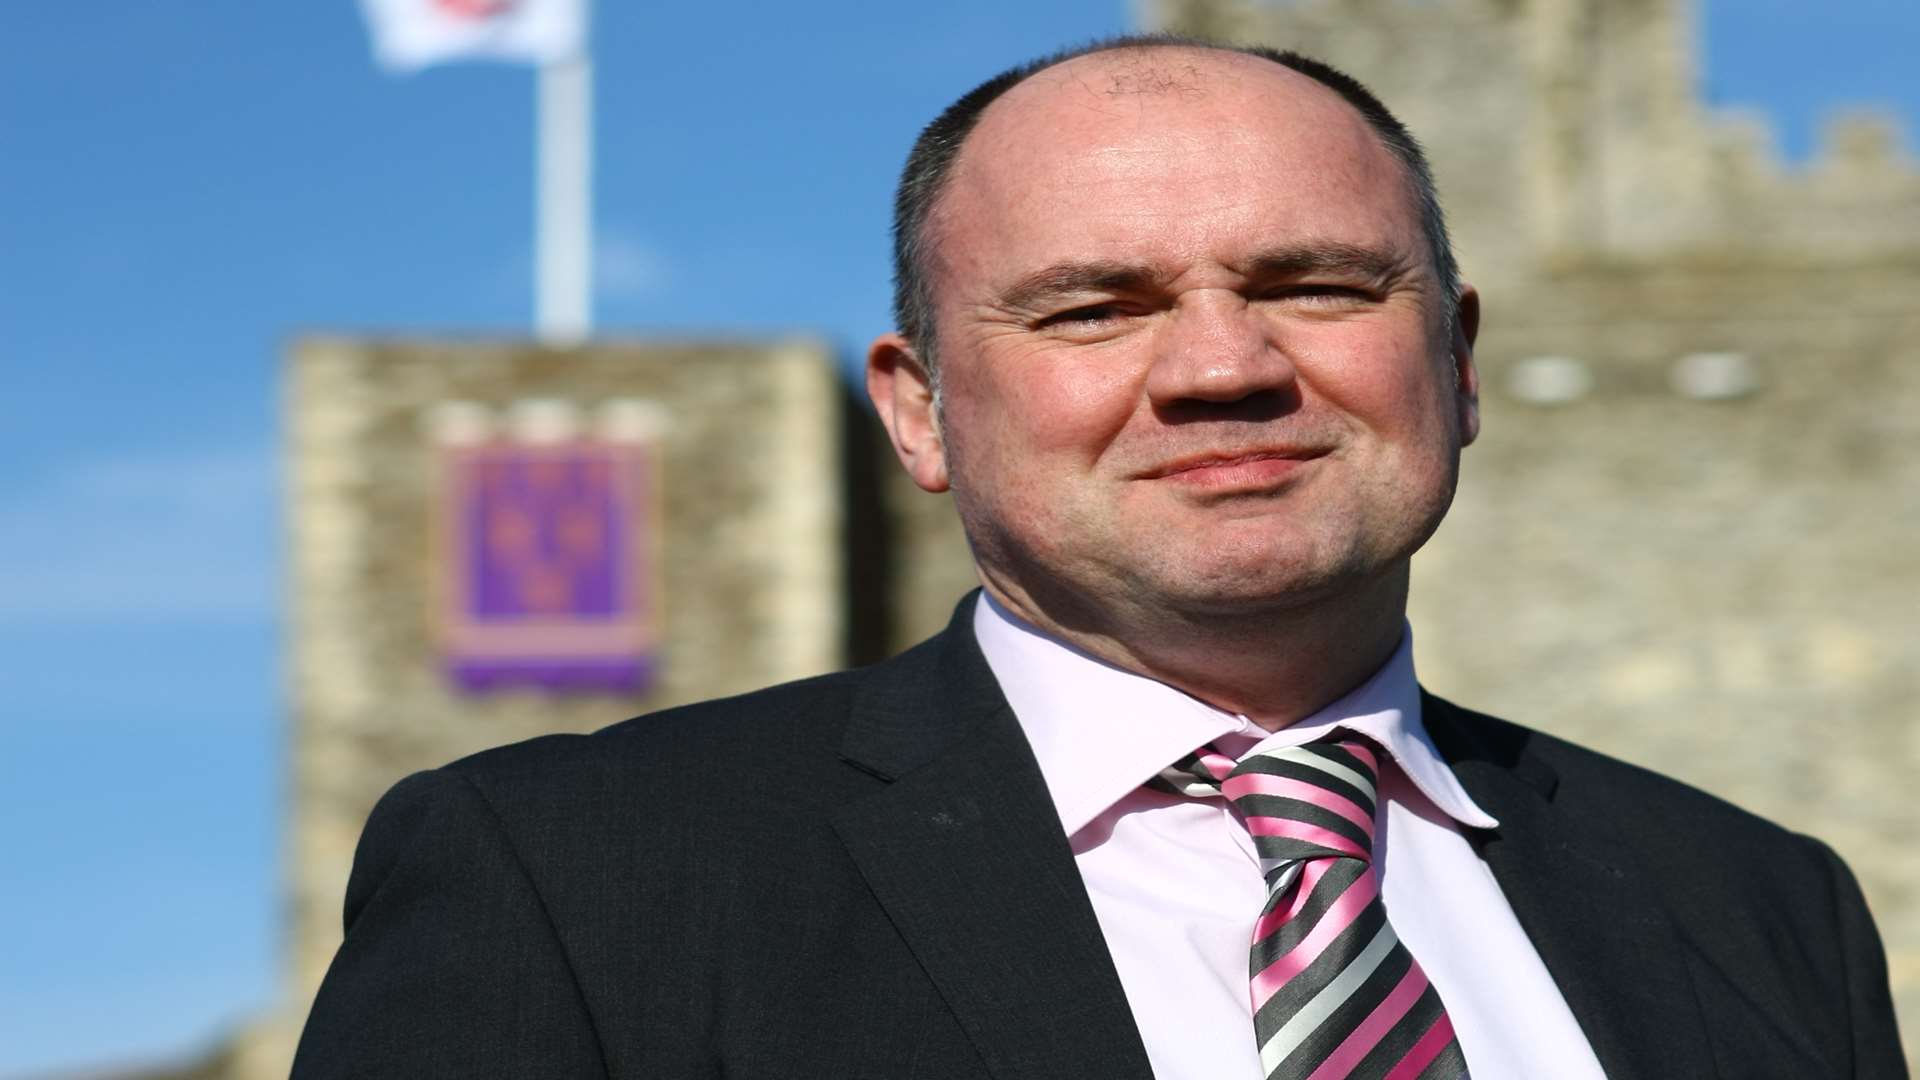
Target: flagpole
[563,289]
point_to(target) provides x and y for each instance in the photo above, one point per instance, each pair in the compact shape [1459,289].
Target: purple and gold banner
[545,554]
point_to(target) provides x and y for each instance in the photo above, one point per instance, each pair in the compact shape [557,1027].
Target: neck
[1274,663]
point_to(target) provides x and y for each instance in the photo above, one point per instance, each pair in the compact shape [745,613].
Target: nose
[1216,348]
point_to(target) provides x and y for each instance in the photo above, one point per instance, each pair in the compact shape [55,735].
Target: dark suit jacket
[862,875]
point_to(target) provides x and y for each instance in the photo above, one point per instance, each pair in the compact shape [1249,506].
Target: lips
[1221,464]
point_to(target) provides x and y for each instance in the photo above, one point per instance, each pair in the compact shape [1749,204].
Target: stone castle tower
[1689,536]
[739,547]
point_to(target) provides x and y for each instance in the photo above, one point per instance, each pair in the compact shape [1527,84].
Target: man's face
[1193,351]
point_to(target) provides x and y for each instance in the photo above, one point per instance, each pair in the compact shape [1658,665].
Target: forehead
[1183,78]
[1123,144]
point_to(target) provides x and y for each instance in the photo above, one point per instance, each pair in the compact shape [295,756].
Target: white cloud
[152,537]
[625,267]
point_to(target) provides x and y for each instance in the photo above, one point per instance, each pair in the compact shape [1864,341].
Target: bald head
[1020,109]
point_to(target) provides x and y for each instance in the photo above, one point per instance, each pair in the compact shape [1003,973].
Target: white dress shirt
[1176,885]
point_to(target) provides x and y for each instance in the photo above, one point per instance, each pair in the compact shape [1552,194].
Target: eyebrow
[1353,260]
[1065,279]
[1069,278]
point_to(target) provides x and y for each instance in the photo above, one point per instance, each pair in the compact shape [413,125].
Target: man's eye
[1318,294]
[1092,313]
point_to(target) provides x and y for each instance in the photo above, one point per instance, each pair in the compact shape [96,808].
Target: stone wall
[1714,575]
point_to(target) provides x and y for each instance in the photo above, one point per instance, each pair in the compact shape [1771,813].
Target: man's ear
[1466,377]
[902,391]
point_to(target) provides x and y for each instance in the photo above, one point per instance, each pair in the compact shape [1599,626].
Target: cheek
[1052,404]
[1386,382]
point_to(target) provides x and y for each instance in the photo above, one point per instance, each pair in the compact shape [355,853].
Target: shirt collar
[1099,732]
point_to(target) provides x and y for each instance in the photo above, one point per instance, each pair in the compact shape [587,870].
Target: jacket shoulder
[701,735]
[1771,923]
[1642,802]
[784,739]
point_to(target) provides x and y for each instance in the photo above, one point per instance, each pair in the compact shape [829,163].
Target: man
[1180,330]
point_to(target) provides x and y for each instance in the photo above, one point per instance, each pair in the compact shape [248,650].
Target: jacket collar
[963,849]
[1100,731]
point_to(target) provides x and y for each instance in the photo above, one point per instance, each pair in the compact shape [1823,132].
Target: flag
[411,34]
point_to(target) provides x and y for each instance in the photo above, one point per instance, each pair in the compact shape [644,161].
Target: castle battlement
[1867,140]
[1570,131]
[1857,199]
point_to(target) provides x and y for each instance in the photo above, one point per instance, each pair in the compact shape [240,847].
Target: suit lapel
[1583,899]
[963,848]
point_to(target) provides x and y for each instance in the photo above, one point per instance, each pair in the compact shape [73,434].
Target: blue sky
[184,187]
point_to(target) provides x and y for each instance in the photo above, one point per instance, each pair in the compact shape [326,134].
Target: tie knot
[1299,802]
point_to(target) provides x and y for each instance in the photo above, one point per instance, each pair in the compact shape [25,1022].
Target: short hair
[929,168]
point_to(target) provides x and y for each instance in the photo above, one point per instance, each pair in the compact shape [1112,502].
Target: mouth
[1252,470]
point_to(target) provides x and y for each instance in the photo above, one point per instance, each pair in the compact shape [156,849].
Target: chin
[1245,590]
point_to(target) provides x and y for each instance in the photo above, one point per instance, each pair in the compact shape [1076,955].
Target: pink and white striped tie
[1335,994]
